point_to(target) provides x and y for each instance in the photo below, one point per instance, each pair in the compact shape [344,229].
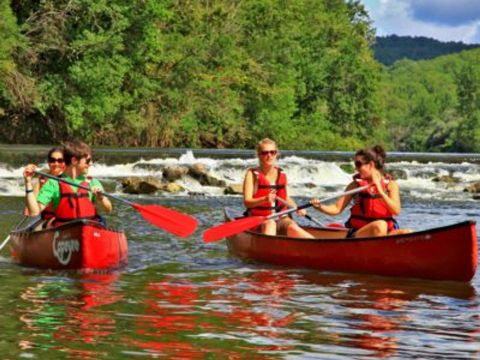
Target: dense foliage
[434,105]
[224,73]
[391,48]
[188,73]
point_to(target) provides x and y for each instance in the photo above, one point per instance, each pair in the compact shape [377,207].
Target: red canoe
[444,253]
[80,244]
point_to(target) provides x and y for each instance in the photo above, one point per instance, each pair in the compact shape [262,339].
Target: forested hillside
[188,73]
[224,74]
[389,49]
[434,105]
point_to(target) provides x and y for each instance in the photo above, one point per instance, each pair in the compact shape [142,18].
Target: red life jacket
[74,205]
[369,206]
[47,213]
[263,188]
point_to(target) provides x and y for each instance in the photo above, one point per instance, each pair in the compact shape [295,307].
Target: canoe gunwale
[229,216]
[29,228]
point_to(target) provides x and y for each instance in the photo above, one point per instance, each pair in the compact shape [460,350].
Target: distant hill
[389,49]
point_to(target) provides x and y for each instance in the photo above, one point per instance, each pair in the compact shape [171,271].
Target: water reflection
[69,316]
[183,319]
[379,314]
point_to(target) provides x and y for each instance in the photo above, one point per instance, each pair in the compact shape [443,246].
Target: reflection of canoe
[79,244]
[445,253]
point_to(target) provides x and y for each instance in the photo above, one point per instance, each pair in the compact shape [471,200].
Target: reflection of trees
[70,316]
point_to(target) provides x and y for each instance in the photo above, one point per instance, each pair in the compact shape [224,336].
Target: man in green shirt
[78,158]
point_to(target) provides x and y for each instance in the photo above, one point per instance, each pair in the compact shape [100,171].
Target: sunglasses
[359,163]
[88,160]
[52,160]
[269,152]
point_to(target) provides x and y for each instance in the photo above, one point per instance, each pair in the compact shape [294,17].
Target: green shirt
[50,191]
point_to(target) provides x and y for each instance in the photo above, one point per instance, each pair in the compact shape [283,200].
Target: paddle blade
[230,228]
[175,222]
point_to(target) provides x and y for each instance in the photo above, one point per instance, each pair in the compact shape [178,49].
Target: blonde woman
[265,192]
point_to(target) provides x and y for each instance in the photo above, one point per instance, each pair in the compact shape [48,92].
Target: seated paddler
[374,208]
[265,192]
[56,166]
[68,202]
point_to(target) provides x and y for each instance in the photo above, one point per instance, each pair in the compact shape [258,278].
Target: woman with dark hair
[56,166]
[374,208]
[69,202]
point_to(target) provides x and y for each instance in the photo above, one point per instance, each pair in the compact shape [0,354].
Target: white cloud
[411,17]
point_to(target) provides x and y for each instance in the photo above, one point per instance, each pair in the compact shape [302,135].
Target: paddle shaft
[173,221]
[308,217]
[307,205]
[16,227]
[85,187]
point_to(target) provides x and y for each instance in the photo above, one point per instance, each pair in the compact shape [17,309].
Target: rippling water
[182,299]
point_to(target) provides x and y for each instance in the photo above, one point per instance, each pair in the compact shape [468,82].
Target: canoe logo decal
[63,248]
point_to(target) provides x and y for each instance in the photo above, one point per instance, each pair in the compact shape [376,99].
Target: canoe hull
[80,244]
[446,253]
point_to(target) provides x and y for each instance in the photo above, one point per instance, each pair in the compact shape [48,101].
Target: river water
[183,299]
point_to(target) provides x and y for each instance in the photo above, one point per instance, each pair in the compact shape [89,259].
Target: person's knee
[379,228]
[270,227]
[294,230]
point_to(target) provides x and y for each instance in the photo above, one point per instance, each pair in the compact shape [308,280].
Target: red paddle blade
[230,228]
[175,222]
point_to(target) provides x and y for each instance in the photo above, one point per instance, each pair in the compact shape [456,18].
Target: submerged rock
[172,173]
[141,185]
[448,179]
[233,189]
[172,188]
[200,173]
[398,174]
[473,188]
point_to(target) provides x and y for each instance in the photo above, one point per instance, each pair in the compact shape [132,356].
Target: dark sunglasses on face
[271,152]
[88,160]
[359,163]
[52,160]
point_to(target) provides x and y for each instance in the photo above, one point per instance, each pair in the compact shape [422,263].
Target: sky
[445,20]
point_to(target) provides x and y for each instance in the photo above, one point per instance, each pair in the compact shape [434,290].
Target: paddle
[308,217]
[16,227]
[224,230]
[175,222]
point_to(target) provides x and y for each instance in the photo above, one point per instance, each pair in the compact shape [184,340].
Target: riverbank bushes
[223,74]
[193,74]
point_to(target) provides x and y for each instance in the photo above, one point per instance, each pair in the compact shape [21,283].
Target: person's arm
[33,207]
[102,203]
[392,199]
[248,191]
[340,204]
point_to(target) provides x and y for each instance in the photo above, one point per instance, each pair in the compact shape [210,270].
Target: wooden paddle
[224,230]
[175,222]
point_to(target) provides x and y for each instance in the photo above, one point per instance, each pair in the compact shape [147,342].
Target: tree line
[388,49]
[213,73]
